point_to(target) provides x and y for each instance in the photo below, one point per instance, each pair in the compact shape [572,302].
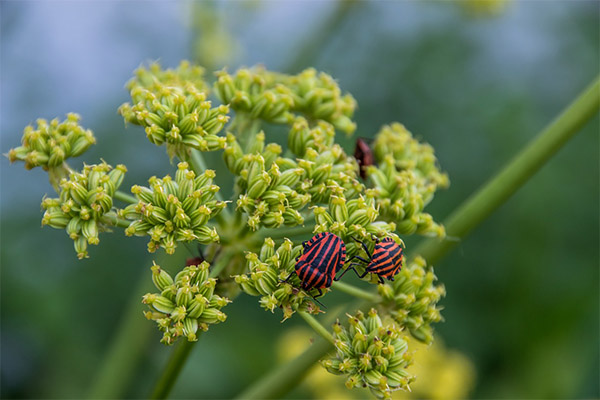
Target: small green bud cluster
[269,191]
[52,143]
[405,180]
[267,270]
[412,299]
[172,106]
[184,304]
[373,353]
[319,97]
[255,92]
[409,153]
[274,96]
[302,137]
[356,218]
[84,199]
[171,211]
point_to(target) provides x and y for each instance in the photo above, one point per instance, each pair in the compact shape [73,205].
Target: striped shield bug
[364,156]
[385,262]
[323,257]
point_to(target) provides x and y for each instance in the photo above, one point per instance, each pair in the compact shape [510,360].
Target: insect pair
[324,255]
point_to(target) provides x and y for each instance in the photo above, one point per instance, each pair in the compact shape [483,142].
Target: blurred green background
[523,288]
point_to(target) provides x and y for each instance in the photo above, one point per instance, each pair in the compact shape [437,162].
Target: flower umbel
[51,143]
[185,304]
[172,105]
[85,198]
[411,299]
[268,270]
[405,180]
[372,352]
[172,211]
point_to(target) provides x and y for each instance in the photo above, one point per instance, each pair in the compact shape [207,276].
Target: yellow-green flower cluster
[185,304]
[302,137]
[171,211]
[412,299]
[85,198]
[268,270]
[173,108]
[256,93]
[373,353]
[52,143]
[355,218]
[405,180]
[410,154]
[269,196]
[274,96]
[318,96]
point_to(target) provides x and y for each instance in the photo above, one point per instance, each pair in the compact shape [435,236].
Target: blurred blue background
[523,288]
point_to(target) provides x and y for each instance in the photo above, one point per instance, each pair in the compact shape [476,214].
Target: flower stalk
[523,166]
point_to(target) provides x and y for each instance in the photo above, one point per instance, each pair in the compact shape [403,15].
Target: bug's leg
[364,246]
[288,278]
[381,280]
[375,238]
[351,267]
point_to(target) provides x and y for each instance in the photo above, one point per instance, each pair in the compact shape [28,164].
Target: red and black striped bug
[323,257]
[385,262]
[364,156]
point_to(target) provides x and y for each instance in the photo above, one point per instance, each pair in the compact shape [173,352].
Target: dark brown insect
[364,156]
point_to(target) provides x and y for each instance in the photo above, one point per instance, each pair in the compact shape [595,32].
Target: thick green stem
[278,382]
[125,198]
[495,192]
[316,325]
[172,369]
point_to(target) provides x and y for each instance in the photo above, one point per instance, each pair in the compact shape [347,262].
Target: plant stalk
[125,198]
[499,189]
[316,325]
[172,369]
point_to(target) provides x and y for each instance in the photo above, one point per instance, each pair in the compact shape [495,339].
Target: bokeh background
[476,80]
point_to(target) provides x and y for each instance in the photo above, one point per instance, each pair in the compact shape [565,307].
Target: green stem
[173,368]
[125,198]
[113,220]
[495,192]
[278,382]
[356,292]
[316,325]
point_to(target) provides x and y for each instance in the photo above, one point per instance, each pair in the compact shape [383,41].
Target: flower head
[412,299]
[172,105]
[268,277]
[185,304]
[372,352]
[85,199]
[171,211]
[51,143]
[405,180]
[275,97]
